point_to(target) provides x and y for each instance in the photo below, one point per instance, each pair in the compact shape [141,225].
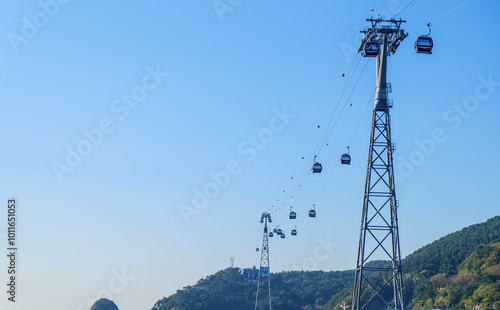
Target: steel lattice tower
[379,234]
[264,259]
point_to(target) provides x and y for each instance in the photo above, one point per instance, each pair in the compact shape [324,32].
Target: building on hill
[252,274]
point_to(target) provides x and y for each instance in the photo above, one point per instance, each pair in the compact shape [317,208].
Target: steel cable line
[324,136]
[463,3]
[304,176]
[347,101]
[361,118]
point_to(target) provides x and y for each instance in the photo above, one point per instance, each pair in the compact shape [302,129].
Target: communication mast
[264,259]
[379,233]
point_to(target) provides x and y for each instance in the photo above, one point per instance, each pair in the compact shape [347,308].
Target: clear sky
[115,113]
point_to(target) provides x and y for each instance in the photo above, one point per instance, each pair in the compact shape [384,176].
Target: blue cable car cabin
[271,234]
[317,167]
[275,230]
[294,232]
[293,215]
[279,232]
[282,236]
[257,249]
[312,213]
[345,159]
[423,45]
[371,49]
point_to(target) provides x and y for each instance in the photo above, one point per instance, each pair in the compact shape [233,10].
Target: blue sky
[111,225]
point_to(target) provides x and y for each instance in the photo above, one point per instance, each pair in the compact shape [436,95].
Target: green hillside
[443,256]
[228,290]
[455,271]
[476,284]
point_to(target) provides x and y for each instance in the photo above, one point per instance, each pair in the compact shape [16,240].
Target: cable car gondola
[283,235]
[345,159]
[316,166]
[292,215]
[271,234]
[312,212]
[279,232]
[424,43]
[275,230]
[371,49]
[257,249]
[294,231]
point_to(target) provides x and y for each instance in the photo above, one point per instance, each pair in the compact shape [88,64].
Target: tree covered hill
[104,304]
[458,270]
[476,284]
[445,254]
[441,257]
[228,290]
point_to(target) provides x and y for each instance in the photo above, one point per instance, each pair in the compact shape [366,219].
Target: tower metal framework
[379,233]
[264,259]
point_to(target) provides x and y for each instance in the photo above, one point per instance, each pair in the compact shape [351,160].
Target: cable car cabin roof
[293,215]
[312,213]
[345,159]
[371,49]
[423,45]
[317,167]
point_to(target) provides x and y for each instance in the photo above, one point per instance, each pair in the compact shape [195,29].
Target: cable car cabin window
[345,159]
[317,167]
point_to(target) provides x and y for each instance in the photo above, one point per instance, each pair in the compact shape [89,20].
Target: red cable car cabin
[423,45]
[371,49]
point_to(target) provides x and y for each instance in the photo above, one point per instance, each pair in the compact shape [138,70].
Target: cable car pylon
[379,232]
[264,260]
